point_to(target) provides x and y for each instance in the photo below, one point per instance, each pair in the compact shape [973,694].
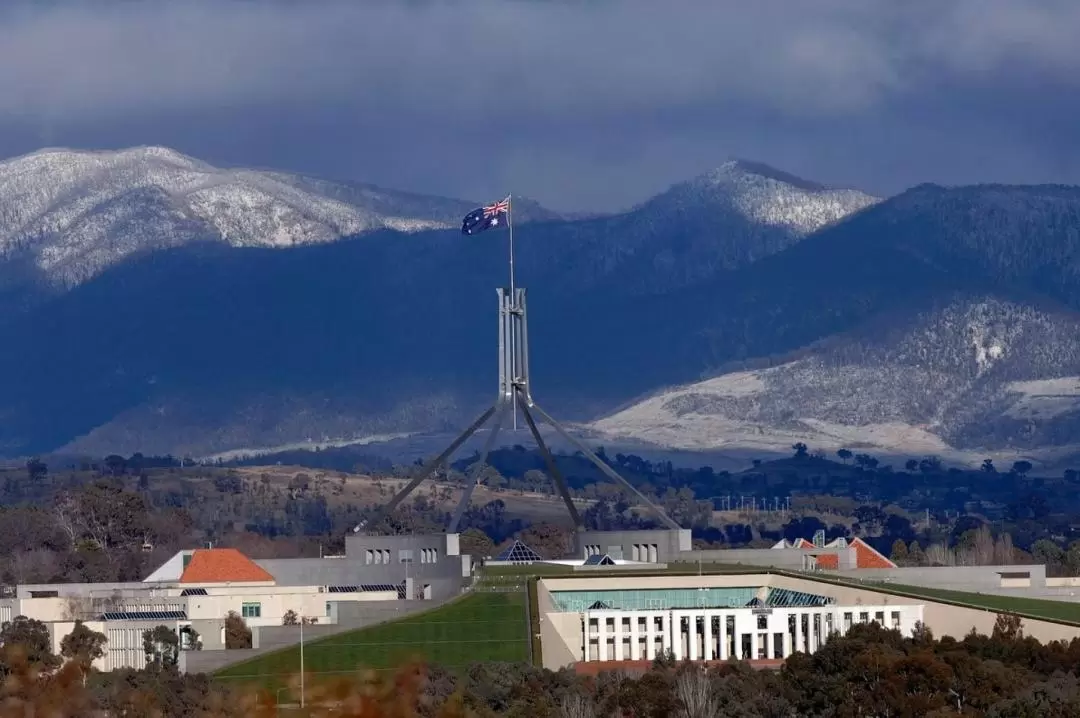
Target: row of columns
[712,634]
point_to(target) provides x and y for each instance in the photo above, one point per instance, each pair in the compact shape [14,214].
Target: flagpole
[513,297]
[510,226]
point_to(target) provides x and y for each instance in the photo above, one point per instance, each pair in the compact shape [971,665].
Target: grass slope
[479,627]
[1034,607]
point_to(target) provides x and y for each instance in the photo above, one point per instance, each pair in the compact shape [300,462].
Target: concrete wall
[943,619]
[273,606]
[975,579]
[795,560]
[621,544]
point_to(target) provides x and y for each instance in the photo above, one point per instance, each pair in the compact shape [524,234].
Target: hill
[942,318]
[206,347]
[68,214]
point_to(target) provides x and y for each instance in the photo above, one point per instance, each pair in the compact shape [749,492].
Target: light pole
[301,657]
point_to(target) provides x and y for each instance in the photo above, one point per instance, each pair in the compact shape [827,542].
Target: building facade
[194,591]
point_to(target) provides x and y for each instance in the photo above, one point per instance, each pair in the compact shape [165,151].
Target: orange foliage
[25,691]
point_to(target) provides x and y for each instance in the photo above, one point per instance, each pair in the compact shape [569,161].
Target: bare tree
[574,705]
[694,692]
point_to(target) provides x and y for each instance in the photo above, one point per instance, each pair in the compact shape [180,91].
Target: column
[691,635]
[635,637]
[710,637]
[588,637]
[800,643]
[789,648]
[601,634]
[619,655]
[724,653]
[673,644]
[650,637]
[753,642]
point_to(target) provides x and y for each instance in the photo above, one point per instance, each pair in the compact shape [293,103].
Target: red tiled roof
[866,556]
[222,565]
[828,560]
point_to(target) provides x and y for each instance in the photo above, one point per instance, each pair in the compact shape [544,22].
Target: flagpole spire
[510,227]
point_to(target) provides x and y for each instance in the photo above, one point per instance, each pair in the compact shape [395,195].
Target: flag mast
[513,296]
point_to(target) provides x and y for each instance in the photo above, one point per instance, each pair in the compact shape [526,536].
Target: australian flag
[493,215]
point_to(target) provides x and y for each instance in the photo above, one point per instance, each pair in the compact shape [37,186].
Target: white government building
[715,623]
[759,617]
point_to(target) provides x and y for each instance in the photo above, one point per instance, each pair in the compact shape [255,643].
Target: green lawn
[478,627]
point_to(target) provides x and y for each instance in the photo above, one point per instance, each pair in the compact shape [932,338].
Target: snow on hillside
[766,196]
[977,374]
[73,213]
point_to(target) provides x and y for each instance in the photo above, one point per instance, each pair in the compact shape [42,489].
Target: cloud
[524,76]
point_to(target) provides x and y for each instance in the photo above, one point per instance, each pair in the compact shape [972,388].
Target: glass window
[327,608]
[251,610]
[762,622]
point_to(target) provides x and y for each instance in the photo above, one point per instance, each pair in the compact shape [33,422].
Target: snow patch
[1044,398]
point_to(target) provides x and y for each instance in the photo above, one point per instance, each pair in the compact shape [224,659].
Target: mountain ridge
[370,328]
[203,347]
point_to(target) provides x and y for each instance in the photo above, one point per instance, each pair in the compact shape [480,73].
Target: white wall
[273,606]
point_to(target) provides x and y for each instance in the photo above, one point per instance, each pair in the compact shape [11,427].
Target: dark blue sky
[583,104]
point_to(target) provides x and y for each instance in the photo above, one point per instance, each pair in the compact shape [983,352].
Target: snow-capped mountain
[938,320]
[973,374]
[760,194]
[70,214]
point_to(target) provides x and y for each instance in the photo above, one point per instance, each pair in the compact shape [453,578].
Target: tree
[1021,467]
[1008,626]
[899,553]
[1070,476]
[911,464]
[475,542]
[33,638]
[988,466]
[916,555]
[36,469]
[290,618]
[237,634]
[800,450]
[844,455]
[83,646]
[162,648]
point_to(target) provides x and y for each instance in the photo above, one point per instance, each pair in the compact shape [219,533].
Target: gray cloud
[578,103]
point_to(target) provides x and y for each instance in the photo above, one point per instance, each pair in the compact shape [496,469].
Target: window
[896,620]
[864,617]
[879,617]
[405,555]
[251,610]
[762,622]
[369,557]
[847,622]
[327,608]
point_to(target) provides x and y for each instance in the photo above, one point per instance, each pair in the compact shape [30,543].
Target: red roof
[828,560]
[866,556]
[222,565]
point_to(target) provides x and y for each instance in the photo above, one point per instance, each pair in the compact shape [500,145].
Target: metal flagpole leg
[475,469]
[608,471]
[427,468]
[553,469]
